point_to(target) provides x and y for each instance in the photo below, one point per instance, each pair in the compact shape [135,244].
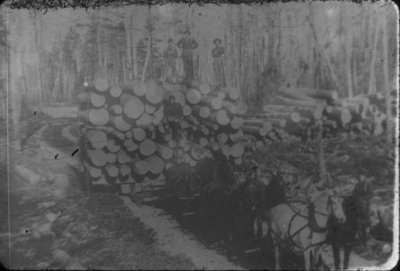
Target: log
[226,150]
[158,116]
[236,122]
[111,158]
[217,103]
[116,109]
[112,170]
[220,117]
[123,157]
[112,146]
[120,124]
[98,157]
[328,95]
[296,102]
[202,111]
[193,96]
[238,136]
[234,93]
[155,93]
[139,88]
[94,172]
[139,134]
[96,117]
[205,88]
[147,147]
[204,130]
[203,141]
[115,91]
[141,167]
[133,108]
[222,138]
[237,150]
[149,109]
[97,100]
[100,181]
[97,138]
[156,164]
[145,120]
[101,84]
[186,110]
[165,152]
[130,145]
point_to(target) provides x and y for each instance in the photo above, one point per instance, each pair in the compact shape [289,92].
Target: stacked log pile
[135,131]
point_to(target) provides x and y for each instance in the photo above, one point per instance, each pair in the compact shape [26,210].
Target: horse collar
[312,221]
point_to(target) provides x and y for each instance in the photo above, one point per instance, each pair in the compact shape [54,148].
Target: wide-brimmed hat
[186,32]
[170,40]
[215,40]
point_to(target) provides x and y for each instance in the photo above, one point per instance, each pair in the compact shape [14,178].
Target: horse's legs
[277,258]
[336,256]
[347,250]
[307,259]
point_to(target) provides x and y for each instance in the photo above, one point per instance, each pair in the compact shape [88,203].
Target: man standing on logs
[187,45]
[170,54]
[218,53]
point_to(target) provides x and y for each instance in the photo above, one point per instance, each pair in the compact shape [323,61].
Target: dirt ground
[54,224]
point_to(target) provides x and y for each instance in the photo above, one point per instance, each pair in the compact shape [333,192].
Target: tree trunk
[386,83]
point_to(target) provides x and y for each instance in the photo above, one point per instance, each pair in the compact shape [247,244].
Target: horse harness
[312,224]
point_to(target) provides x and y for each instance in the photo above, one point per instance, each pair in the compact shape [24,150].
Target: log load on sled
[135,131]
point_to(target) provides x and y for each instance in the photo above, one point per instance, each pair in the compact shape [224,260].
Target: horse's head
[330,203]
[335,207]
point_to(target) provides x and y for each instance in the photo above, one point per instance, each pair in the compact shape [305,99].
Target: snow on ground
[172,240]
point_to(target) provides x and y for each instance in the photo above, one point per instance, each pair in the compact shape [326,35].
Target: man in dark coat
[187,44]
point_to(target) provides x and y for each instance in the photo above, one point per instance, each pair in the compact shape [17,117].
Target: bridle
[313,228]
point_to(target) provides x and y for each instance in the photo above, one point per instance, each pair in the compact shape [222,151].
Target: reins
[289,238]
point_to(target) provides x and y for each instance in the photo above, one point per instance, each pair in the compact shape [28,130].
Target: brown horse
[301,226]
[356,227]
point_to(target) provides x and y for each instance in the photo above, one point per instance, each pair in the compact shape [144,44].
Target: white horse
[301,226]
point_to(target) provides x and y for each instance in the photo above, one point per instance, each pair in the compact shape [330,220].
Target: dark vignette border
[44,5]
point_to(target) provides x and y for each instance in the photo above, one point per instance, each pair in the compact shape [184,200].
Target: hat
[186,32]
[215,41]
[170,40]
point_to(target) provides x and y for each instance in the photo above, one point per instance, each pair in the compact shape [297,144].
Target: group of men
[187,45]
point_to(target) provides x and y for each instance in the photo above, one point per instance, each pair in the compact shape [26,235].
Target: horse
[302,226]
[345,235]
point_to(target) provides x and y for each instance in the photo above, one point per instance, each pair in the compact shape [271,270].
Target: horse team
[304,225]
